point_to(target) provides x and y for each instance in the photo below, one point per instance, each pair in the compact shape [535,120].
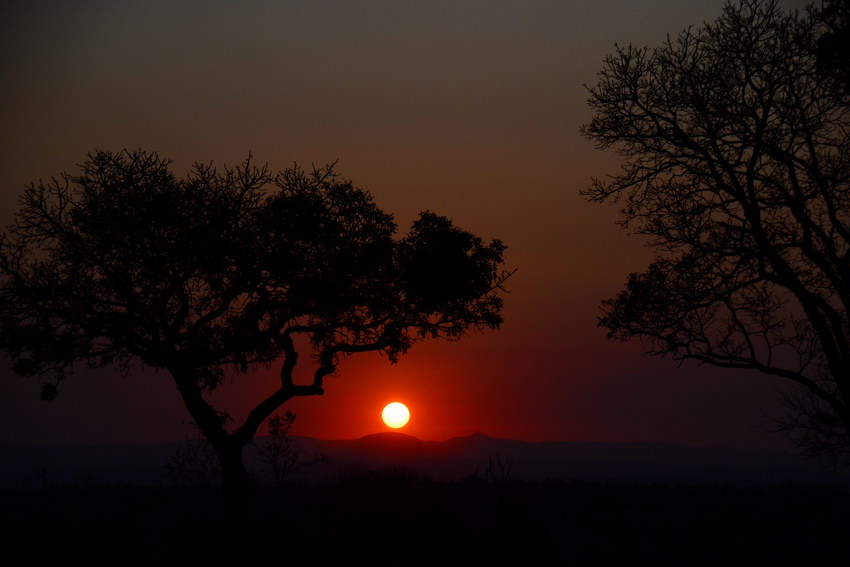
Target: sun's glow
[395,415]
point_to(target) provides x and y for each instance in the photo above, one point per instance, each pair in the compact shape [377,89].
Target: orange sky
[470,109]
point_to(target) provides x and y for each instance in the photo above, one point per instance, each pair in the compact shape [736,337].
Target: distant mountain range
[475,455]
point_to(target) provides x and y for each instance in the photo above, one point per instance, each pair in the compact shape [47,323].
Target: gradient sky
[468,108]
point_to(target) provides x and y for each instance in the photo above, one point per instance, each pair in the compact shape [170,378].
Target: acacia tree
[222,272]
[737,168]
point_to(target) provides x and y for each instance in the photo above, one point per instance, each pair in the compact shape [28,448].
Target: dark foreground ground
[396,517]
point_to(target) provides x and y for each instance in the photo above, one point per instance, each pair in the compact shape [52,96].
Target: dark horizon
[451,460]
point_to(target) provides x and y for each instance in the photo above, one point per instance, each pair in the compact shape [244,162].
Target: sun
[395,415]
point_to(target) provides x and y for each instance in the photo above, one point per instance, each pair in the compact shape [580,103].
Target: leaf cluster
[122,261]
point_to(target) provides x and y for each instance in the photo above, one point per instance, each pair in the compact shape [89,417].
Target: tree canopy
[224,271]
[736,144]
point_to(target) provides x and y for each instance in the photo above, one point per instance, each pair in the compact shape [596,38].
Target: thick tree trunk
[236,483]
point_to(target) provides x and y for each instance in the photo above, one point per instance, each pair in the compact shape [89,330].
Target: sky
[470,109]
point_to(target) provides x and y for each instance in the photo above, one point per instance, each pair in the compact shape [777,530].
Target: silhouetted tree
[280,453]
[224,271]
[193,465]
[737,168]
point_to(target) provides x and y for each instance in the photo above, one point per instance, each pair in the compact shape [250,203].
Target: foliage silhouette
[737,168]
[193,465]
[279,451]
[223,272]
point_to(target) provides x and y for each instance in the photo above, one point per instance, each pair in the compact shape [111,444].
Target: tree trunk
[237,485]
[234,540]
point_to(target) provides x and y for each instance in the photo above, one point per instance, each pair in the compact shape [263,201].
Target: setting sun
[395,415]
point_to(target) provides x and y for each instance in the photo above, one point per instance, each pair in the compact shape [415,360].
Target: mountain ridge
[453,459]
